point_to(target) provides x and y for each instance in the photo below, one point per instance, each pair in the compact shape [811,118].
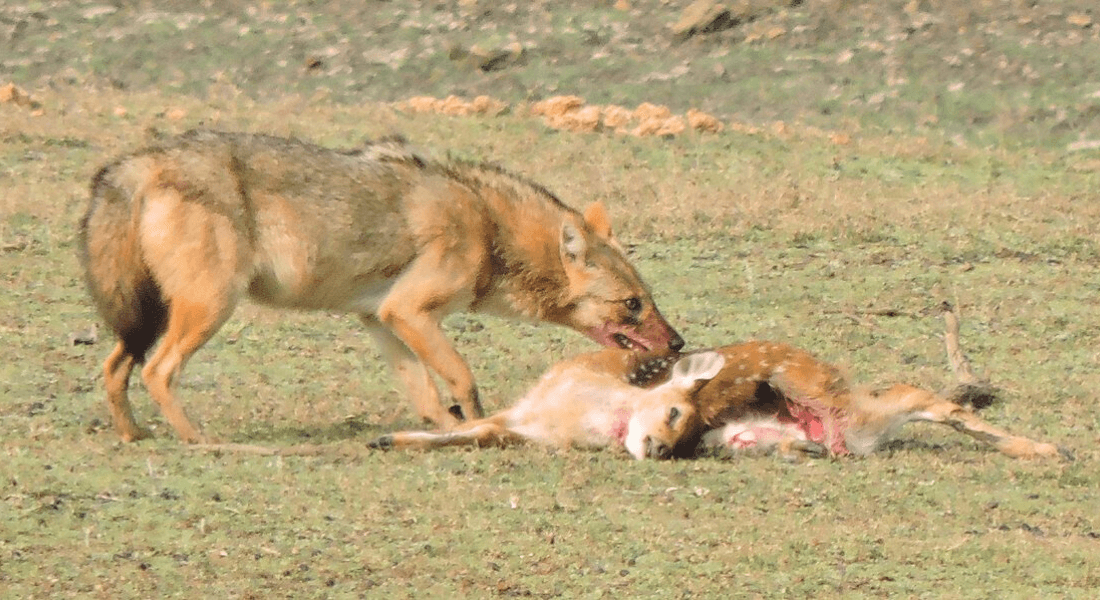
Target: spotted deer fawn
[773,396]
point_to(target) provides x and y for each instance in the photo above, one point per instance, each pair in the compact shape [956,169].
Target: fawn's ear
[596,218]
[701,366]
[573,246]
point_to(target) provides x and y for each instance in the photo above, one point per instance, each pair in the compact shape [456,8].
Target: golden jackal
[177,234]
[586,403]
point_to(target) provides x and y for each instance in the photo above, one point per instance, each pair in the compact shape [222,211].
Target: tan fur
[178,234]
[586,402]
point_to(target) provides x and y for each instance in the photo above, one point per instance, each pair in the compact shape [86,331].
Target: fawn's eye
[673,416]
[633,304]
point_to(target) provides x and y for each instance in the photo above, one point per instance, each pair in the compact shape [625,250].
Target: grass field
[926,153]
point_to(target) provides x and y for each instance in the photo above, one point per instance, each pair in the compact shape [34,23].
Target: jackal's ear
[596,218]
[573,245]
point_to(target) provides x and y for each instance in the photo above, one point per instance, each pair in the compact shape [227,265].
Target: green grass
[785,233]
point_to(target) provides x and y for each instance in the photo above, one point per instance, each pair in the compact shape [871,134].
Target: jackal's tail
[123,289]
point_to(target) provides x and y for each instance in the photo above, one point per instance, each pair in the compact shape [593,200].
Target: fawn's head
[665,415]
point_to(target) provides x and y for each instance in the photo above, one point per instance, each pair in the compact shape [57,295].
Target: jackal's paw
[135,435]
[381,443]
[202,439]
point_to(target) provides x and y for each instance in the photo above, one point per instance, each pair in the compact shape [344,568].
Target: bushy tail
[123,289]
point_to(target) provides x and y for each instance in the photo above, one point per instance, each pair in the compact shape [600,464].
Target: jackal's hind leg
[116,372]
[190,325]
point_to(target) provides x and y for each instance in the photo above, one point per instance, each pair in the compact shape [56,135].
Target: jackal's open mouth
[614,336]
[624,342]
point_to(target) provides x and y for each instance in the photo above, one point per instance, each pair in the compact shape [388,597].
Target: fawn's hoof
[382,443]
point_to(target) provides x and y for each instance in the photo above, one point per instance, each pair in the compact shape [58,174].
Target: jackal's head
[665,416]
[606,299]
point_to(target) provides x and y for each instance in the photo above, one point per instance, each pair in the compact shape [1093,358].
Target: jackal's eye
[633,304]
[673,416]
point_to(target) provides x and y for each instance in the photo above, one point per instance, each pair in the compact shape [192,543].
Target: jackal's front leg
[412,373]
[425,292]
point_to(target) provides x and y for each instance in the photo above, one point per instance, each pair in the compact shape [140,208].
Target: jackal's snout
[675,343]
[657,334]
